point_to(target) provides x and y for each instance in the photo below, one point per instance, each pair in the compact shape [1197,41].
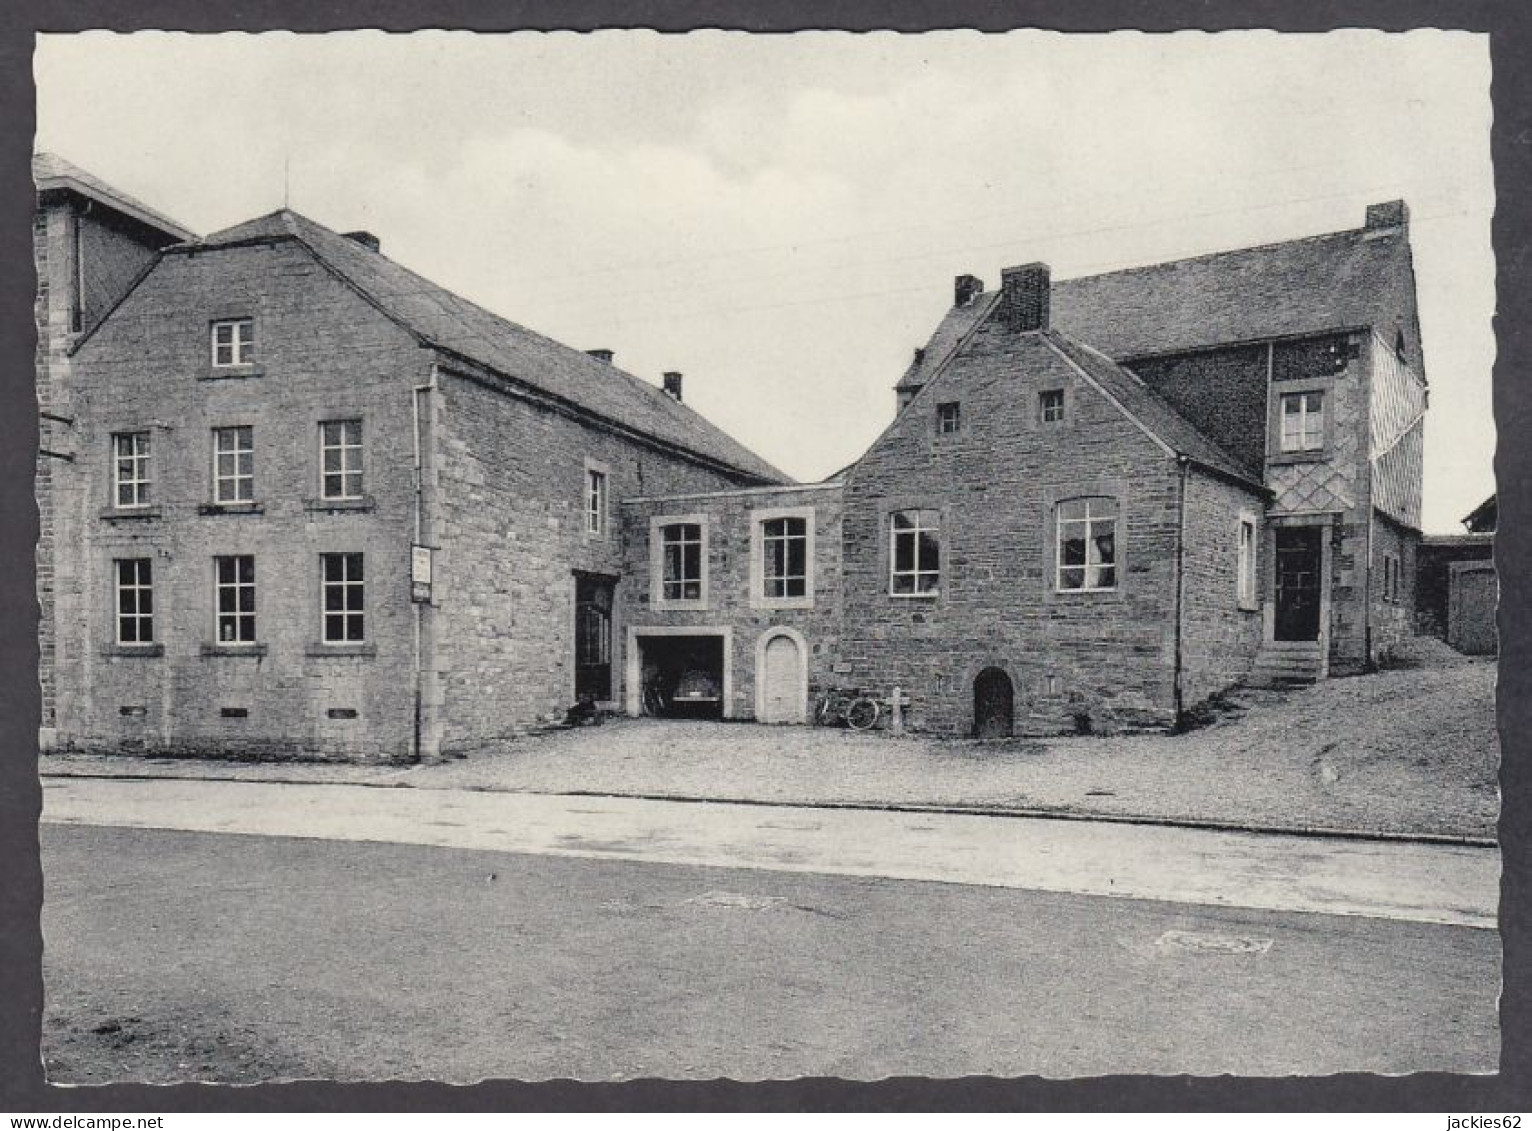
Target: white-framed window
[234,464]
[130,469]
[1247,560]
[343,599]
[1050,406]
[233,342]
[234,592]
[949,418]
[595,500]
[914,553]
[681,551]
[135,600]
[784,557]
[1303,421]
[1086,531]
[340,459]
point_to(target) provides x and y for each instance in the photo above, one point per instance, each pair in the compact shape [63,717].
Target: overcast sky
[781,217]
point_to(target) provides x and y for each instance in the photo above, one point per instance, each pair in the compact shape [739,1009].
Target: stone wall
[1219,635]
[1393,614]
[734,598]
[511,526]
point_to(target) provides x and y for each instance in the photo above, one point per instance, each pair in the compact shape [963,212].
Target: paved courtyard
[1403,752]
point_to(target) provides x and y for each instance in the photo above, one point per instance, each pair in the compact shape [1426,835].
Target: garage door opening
[682,676]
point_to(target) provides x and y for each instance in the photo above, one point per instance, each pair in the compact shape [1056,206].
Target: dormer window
[233,342]
[948,418]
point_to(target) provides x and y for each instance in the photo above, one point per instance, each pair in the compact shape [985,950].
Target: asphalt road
[192,955]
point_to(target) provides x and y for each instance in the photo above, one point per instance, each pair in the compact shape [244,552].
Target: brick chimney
[366,239]
[602,355]
[966,288]
[1024,292]
[673,385]
[1392,214]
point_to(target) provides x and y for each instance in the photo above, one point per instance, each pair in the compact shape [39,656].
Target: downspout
[418,539]
[1176,696]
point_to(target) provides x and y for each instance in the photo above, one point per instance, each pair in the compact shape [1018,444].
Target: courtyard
[1407,752]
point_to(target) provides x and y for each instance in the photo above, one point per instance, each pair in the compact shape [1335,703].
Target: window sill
[773,604]
[231,508]
[233,649]
[321,649]
[231,373]
[1318,455]
[929,595]
[133,650]
[130,514]
[365,503]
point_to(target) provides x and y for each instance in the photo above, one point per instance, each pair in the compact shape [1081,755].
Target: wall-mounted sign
[420,573]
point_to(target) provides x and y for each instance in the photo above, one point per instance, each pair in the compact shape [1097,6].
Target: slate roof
[451,322]
[1337,281]
[50,171]
[1151,410]
[1481,519]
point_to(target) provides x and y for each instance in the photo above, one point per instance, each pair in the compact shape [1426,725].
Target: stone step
[1301,646]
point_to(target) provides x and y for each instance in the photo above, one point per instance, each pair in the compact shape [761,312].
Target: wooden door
[1298,582]
[994,704]
[781,678]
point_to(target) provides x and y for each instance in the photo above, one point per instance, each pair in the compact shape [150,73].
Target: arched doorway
[994,704]
[781,679]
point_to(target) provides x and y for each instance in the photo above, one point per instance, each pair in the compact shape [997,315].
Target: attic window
[948,418]
[233,342]
[1050,406]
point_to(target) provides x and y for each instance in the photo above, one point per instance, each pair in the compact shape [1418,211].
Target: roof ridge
[1270,245]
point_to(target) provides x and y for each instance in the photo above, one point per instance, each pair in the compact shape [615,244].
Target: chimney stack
[602,355]
[966,288]
[366,239]
[1025,294]
[673,385]
[1392,214]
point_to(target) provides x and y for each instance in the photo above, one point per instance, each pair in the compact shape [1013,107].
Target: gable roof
[51,172]
[452,323]
[1482,518]
[1343,280]
[1152,412]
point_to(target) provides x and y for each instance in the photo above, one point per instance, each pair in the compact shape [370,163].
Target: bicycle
[850,708]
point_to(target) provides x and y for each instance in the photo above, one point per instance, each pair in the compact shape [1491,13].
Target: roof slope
[1153,412]
[1304,286]
[453,323]
[50,171]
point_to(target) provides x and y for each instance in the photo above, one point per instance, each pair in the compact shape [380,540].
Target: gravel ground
[1410,751]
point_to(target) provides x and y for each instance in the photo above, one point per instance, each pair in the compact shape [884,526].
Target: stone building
[89,242]
[1458,590]
[322,507]
[319,506]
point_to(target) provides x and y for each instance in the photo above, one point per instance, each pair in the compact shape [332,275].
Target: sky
[780,217]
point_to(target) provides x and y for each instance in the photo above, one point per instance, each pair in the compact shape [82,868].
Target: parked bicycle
[848,708]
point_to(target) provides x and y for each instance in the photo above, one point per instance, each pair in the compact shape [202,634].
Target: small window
[343,598]
[1087,544]
[233,342]
[1050,406]
[681,555]
[915,552]
[1401,349]
[234,580]
[135,601]
[595,501]
[234,465]
[785,553]
[130,475]
[340,454]
[1303,422]
[948,418]
[1246,562]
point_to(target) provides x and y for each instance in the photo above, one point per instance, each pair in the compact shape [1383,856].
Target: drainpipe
[419,537]
[1176,699]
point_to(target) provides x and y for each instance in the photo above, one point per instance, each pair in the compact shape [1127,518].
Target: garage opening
[682,676]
